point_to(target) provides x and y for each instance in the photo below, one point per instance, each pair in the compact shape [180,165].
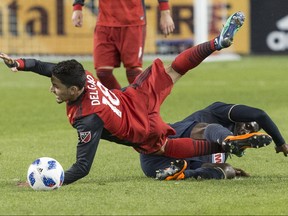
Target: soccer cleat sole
[235,144]
[232,25]
[171,173]
[175,176]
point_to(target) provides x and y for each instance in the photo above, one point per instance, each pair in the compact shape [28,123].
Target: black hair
[70,73]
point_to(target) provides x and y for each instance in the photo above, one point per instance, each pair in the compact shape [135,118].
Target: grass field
[34,125]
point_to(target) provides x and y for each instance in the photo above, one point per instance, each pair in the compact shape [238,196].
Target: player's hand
[166,23]
[241,173]
[11,63]
[283,148]
[77,18]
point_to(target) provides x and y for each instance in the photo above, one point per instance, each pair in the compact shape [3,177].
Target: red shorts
[113,45]
[154,84]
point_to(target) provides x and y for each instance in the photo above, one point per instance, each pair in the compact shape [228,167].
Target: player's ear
[73,90]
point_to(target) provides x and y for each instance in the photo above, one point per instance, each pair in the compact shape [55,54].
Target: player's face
[62,93]
[247,127]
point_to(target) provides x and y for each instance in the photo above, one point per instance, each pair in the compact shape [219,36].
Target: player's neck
[77,95]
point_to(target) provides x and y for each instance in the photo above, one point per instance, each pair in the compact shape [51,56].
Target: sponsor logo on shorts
[218,158]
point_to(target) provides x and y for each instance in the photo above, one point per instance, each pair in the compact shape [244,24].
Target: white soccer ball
[45,173]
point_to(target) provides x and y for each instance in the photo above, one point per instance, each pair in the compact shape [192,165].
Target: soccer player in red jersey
[119,36]
[132,116]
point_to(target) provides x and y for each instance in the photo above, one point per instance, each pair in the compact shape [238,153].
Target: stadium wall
[44,27]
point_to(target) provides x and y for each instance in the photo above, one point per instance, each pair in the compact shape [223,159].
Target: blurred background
[37,27]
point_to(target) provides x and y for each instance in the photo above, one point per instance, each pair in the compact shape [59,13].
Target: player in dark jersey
[132,116]
[212,123]
[119,36]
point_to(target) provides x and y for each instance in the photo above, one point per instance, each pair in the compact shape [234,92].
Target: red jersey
[119,13]
[132,115]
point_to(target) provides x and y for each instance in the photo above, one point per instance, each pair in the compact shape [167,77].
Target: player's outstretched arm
[89,130]
[243,113]
[32,65]
[11,63]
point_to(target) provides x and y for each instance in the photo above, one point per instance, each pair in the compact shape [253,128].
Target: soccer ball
[45,173]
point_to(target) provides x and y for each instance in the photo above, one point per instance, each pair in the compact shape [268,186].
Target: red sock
[132,73]
[187,147]
[192,57]
[107,78]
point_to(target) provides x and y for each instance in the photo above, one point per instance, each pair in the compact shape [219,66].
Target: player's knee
[104,72]
[132,73]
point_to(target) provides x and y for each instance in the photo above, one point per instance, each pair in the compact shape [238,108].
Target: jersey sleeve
[36,66]
[163,5]
[89,129]
[243,113]
[78,4]
[221,111]
[106,135]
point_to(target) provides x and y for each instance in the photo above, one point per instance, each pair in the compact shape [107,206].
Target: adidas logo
[282,24]
[278,40]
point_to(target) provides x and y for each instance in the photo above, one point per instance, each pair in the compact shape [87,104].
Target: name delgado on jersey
[94,96]
[109,98]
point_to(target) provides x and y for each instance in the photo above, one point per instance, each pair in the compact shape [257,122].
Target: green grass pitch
[34,125]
